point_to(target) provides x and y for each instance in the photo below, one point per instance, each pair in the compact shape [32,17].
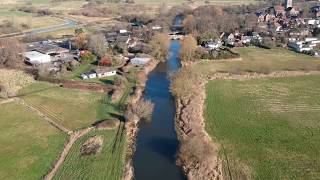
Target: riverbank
[198,154]
[132,128]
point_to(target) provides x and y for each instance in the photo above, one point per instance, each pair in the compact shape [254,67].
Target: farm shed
[52,50]
[34,57]
[140,61]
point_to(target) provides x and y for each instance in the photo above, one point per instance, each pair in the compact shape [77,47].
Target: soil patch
[92,146]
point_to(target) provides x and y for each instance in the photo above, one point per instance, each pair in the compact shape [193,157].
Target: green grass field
[268,128]
[108,164]
[28,144]
[261,60]
[71,108]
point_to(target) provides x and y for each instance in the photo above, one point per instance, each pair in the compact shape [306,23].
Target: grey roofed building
[52,49]
[140,61]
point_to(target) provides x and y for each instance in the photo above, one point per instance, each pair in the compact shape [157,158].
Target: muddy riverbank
[198,154]
[132,125]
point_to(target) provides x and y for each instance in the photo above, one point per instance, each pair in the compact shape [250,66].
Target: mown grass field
[71,108]
[269,128]
[28,144]
[262,61]
[108,164]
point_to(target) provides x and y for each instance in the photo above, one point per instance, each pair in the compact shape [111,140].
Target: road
[67,24]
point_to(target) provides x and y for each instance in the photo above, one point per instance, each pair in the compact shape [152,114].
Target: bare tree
[80,40]
[188,48]
[160,46]
[10,53]
[143,109]
[97,44]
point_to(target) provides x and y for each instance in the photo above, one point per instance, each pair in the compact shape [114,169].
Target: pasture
[32,20]
[28,144]
[71,108]
[267,128]
[261,61]
[107,164]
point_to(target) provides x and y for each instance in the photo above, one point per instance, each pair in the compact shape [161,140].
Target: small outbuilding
[89,75]
[35,57]
[140,61]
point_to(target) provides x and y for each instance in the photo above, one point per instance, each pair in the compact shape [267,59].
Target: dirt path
[4,101]
[72,139]
[45,117]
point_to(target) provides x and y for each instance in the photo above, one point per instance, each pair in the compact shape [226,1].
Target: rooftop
[33,54]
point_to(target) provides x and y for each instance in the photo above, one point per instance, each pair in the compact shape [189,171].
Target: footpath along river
[157,141]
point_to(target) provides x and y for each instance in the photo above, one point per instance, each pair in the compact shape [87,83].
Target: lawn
[261,60]
[108,164]
[71,108]
[268,128]
[28,144]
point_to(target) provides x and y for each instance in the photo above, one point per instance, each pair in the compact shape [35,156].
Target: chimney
[288,5]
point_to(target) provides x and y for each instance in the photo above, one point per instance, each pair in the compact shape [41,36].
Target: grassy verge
[28,144]
[108,164]
[73,109]
[268,128]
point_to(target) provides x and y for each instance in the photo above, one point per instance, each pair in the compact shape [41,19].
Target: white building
[100,73]
[123,31]
[35,57]
[105,73]
[140,61]
[307,45]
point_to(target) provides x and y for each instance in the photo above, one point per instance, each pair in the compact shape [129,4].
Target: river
[157,141]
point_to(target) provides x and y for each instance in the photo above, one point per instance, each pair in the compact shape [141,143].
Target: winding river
[157,141]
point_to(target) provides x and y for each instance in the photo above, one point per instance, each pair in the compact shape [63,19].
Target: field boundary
[255,75]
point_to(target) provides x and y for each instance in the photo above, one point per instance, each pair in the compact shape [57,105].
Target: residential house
[295,11]
[279,10]
[213,44]
[315,10]
[229,39]
[307,45]
[299,32]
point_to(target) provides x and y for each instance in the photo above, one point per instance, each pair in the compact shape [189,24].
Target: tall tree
[97,44]
[80,40]
[11,53]
[160,46]
[188,48]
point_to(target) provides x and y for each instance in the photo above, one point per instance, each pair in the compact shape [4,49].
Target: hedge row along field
[106,164]
[266,128]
